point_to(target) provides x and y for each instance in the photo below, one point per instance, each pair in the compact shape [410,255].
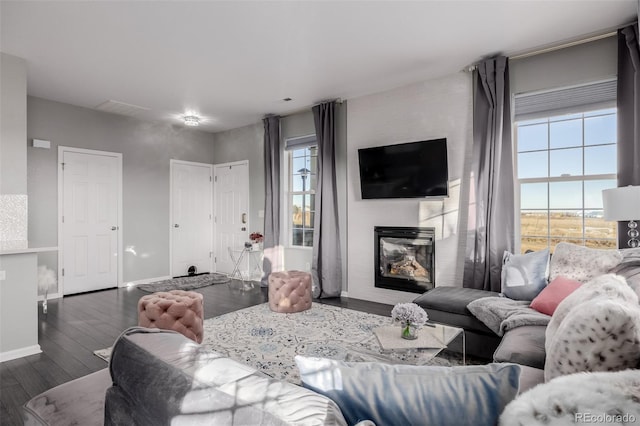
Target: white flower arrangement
[409,313]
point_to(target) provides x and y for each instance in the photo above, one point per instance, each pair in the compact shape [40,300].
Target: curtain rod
[563,45]
[540,50]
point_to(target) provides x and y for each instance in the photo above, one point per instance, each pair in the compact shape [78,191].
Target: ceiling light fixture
[191,120]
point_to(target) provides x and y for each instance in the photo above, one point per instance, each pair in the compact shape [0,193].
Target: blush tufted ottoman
[289,291]
[176,310]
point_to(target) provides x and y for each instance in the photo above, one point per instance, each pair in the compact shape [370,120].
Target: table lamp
[622,204]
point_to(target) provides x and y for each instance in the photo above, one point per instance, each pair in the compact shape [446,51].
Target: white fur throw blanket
[604,287]
[502,314]
[581,398]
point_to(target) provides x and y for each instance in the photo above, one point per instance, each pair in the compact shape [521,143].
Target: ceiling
[232,62]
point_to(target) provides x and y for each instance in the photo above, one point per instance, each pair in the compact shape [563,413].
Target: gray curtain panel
[326,263]
[628,114]
[491,217]
[272,248]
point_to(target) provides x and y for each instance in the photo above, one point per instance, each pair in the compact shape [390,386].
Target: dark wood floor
[75,326]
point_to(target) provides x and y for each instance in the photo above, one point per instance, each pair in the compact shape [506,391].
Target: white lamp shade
[621,203]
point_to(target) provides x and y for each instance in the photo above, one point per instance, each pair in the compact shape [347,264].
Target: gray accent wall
[246,143]
[146,149]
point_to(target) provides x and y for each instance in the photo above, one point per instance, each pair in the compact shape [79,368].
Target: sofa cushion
[598,335]
[548,300]
[524,275]
[448,305]
[413,395]
[451,299]
[578,399]
[581,263]
[78,402]
[629,268]
[522,345]
[169,379]
[604,287]
[529,378]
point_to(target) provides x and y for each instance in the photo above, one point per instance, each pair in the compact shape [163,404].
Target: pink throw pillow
[550,297]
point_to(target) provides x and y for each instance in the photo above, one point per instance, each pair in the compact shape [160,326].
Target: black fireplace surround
[404,258]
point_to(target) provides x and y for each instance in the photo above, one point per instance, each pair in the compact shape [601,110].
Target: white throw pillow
[581,263]
[609,286]
[578,399]
[597,335]
[524,275]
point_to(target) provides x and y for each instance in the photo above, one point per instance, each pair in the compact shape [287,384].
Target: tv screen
[406,170]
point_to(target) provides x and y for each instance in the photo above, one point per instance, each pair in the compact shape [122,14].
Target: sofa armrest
[78,402]
[169,379]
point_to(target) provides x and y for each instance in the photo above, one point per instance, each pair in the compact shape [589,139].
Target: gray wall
[295,125]
[13,125]
[584,63]
[246,143]
[146,148]
[302,124]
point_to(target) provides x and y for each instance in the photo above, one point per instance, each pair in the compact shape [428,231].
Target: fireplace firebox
[404,258]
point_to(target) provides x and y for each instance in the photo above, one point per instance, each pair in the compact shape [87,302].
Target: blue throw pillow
[524,275]
[413,395]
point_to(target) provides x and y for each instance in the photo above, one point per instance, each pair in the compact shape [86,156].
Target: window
[302,167]
[563,164]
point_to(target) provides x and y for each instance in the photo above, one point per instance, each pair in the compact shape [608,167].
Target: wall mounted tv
[406,170]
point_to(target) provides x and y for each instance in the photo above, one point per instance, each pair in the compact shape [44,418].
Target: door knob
[176,225]
[244,218]
[113,228]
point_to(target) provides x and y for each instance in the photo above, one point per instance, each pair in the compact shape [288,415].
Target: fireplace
[404,258]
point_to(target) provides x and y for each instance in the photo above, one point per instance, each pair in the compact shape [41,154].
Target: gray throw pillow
[413,395]
[524,275]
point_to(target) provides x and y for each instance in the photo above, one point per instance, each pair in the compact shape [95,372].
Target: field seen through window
[565,227]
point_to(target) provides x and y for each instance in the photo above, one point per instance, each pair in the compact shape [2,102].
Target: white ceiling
[232,62]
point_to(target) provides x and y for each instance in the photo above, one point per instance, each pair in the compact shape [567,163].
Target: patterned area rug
[269,341]
[185,283]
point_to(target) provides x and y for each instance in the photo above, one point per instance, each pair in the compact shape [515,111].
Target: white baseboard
[144,281]
[344,294]
[19,353]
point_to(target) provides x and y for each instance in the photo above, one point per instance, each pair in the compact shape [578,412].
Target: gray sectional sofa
[158,377]
[521,345]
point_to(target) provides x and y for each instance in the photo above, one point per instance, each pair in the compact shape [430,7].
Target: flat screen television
[406,170]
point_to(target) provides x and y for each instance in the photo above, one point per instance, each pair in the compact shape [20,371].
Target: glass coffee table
[386,345]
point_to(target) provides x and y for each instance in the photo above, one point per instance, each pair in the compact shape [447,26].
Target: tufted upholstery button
[177,310]
[289,291]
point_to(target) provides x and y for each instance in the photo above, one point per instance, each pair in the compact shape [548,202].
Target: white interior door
[90,220]
[231,194]
[191,217]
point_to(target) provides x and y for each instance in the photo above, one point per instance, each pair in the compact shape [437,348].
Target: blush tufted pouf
[289,291]
[176,310]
